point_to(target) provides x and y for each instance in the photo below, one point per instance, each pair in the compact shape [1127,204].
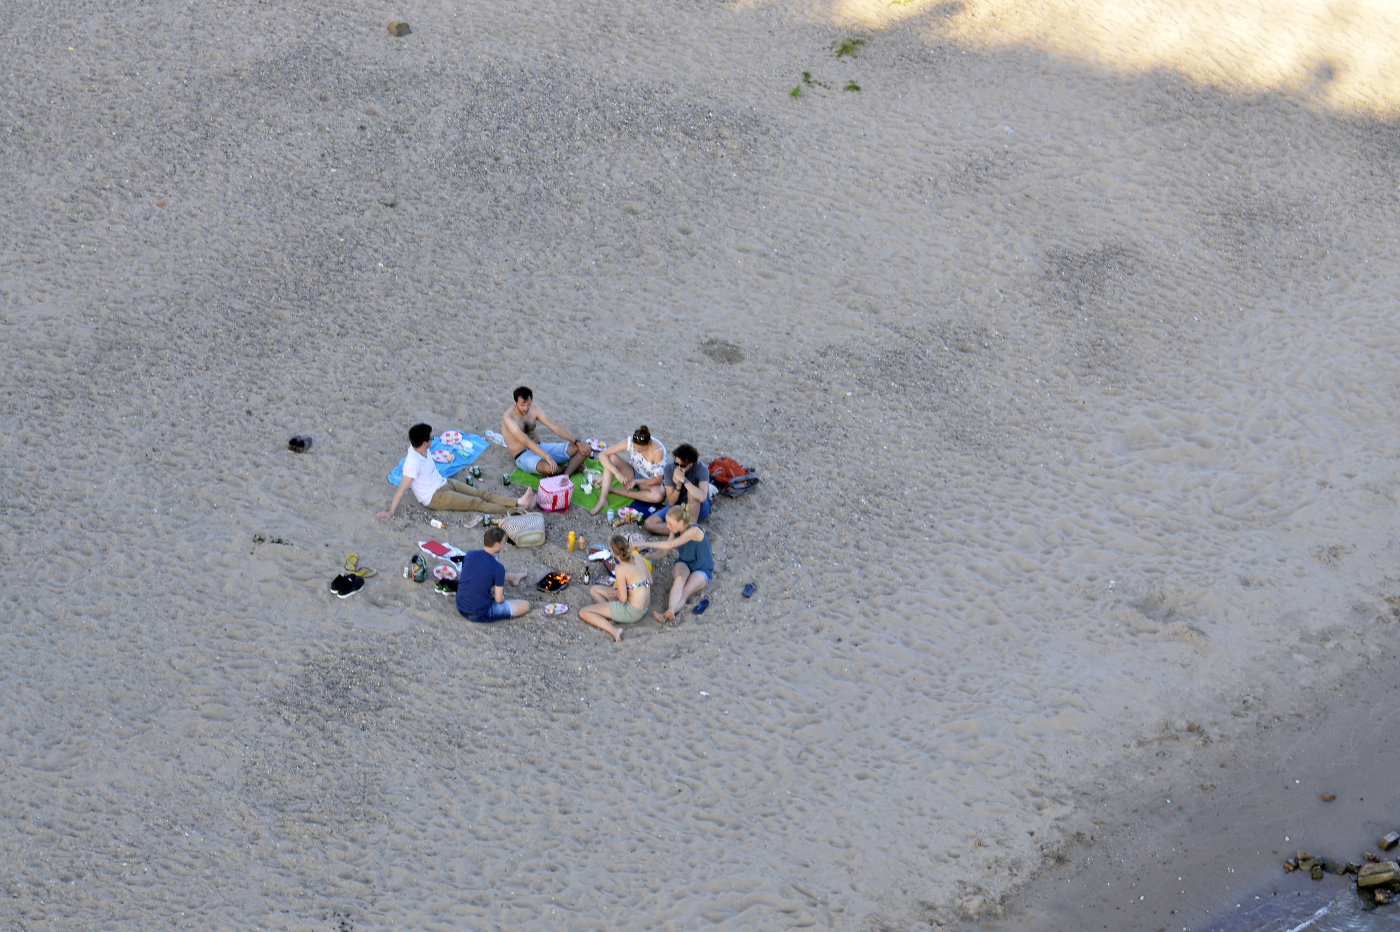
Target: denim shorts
[499,611]
[704,511]
[529,460]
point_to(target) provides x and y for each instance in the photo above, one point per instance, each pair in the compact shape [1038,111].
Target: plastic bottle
[437,524]
[571,541]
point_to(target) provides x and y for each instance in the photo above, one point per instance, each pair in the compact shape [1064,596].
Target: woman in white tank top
[636,463]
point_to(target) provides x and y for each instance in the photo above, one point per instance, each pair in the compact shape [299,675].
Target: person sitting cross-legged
[638,472]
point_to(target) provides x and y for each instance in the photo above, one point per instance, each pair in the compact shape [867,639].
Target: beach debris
[1388,841]
[399,29]
[1381,872]
[1370,856]
[299,444]
[1328,797]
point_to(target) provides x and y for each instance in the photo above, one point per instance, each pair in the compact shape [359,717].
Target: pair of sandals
[353,567]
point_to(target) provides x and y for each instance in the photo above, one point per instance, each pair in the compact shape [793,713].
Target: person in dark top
[481,594]
[694,562]
[684,480]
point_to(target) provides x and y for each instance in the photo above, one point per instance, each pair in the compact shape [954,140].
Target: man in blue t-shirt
[481,593]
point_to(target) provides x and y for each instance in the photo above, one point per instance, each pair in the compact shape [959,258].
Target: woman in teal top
[694,562]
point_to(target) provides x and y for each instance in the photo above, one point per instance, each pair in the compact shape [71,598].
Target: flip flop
[555,608]
[749,590]
[699,609]
[352,560]
[364,572]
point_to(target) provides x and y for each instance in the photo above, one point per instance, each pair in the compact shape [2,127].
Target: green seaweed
[796,91]
[849,46]
[851,86]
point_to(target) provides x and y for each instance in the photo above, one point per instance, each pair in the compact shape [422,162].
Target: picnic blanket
[462,455]
[578,497]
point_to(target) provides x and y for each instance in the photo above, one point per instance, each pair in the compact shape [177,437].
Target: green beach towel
[578,497]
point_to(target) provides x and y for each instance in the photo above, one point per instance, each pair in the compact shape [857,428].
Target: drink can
[612,516]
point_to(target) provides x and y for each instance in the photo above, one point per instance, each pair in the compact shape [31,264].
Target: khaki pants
[458,496]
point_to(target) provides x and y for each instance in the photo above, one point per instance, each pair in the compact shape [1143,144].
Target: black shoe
[345,586]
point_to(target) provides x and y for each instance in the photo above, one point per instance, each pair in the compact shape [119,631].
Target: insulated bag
[555,493]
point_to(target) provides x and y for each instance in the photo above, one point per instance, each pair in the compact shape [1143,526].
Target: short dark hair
[493,536]
[642,435]
[523,392]
[419,434]
[686,453]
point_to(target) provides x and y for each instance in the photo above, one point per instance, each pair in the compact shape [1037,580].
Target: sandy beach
[1067,355]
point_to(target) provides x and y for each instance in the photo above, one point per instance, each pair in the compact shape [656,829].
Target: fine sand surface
[1072,388]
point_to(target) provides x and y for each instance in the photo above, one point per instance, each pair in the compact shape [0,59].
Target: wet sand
[1072,389]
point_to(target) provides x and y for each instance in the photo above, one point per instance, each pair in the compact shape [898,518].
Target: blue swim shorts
[529,460]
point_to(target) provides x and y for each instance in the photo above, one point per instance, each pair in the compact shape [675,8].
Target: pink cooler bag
[555,493]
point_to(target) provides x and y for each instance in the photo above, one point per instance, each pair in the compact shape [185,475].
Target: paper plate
[445,571]
[451,438]
[555,608]
[442,456]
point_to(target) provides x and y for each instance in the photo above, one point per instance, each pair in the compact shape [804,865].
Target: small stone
[1316,872]
[399,29]
[1370,856]
[1373,875]
[1382,896]
[1388,841]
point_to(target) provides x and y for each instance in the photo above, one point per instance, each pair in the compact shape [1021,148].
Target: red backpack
[731,477]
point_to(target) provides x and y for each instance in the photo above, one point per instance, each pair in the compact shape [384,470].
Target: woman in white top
[638,473]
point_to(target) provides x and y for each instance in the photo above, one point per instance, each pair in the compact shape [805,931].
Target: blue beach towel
[462,456]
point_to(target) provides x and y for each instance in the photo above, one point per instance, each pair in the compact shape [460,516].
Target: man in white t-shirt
[436,491]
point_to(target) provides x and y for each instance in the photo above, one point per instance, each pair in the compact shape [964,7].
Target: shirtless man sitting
[518,426]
